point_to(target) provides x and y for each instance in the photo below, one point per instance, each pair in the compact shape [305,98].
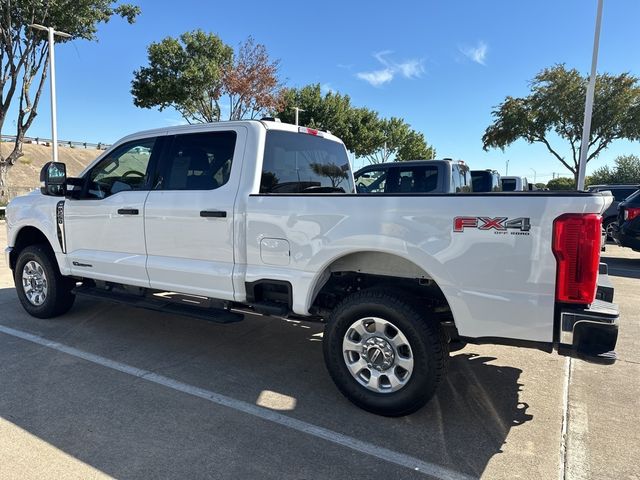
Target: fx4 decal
[497,224]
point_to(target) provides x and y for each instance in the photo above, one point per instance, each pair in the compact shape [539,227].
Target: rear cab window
[302,163]
[509,185]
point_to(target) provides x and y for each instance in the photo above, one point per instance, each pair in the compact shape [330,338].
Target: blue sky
[441,65]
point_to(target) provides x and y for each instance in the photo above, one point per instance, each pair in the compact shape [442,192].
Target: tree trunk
[4,194]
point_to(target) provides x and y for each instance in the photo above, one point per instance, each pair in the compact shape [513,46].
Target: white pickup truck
[262,217]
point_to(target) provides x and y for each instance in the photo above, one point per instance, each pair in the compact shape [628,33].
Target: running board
[167,302]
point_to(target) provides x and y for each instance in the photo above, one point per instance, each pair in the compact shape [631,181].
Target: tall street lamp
[52,82]
[588,107]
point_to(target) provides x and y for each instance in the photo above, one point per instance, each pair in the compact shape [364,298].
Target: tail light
[631,213]
[576,246]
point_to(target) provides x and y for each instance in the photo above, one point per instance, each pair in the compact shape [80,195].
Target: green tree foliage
[555,107]
[185,73]
[414,147]
[364,133]
[24,53]
[562,183]
[193,72]
[625,171]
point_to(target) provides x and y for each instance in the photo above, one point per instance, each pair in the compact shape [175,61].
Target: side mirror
[53,177]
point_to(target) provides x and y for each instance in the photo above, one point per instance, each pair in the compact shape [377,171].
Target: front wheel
[383,353]
[42,290]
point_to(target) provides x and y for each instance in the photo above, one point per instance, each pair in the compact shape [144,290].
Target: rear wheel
[608,225]
[383,352]
[42,290]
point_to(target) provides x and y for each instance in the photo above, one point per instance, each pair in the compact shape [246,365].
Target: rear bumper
[590,333]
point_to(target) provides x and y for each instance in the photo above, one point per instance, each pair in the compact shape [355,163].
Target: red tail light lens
[576,246]
[631,213]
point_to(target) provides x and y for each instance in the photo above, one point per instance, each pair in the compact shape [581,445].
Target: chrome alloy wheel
[377,354]
[34,283]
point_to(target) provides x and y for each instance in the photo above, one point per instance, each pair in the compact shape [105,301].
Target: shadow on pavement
[623,267]
[103,417]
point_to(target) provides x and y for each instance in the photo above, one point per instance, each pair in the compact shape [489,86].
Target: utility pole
[588,106]
[298,110]
[52,82]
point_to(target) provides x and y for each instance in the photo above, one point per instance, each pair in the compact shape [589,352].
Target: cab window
[124,169]
[198,161]
[372,181]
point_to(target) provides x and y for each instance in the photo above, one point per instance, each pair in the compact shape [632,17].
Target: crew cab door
[104,223]
[189,216]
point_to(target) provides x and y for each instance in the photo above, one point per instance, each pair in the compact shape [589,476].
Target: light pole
[506,172]
[298,110]
[534,175]
[52,82]
[588,106]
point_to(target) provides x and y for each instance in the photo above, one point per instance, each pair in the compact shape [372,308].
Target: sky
[441,65]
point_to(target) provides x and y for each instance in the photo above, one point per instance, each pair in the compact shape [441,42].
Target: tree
[185,73]
[333,172]
[363,132]
[561,183]
[193,72]
[24,58]
[415,147]
[556,106]
[252,82]
[331,111]
[397,140]
[626,170]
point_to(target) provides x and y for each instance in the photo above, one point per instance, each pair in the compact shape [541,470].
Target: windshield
[302,163]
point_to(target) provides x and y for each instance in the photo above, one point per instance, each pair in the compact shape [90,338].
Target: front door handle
[128,211]
[213,213]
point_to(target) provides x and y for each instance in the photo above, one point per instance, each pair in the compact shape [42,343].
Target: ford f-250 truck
[229,218]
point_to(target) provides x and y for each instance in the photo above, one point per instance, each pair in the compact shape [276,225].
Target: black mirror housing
[53,178]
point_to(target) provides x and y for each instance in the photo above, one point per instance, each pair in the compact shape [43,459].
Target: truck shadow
[462,428]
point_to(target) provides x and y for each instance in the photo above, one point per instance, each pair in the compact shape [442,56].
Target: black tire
[58,299]
[427,342]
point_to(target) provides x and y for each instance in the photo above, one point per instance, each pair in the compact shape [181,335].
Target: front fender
[37,211]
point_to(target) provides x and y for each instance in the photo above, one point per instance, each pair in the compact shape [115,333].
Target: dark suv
[627,230]
[619,192]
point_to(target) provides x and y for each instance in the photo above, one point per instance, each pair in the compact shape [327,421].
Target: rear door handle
[128,211]
[213,214]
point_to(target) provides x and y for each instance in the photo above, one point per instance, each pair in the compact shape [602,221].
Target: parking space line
[381,453]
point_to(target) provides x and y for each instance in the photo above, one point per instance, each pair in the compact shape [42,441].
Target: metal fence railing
[63,143]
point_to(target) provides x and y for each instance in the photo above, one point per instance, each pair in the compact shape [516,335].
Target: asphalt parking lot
[111,391]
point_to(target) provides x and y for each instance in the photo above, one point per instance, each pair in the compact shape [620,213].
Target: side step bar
[196,307]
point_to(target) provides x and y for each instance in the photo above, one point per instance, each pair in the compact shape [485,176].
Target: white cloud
[410,69]
[326,88]
[476,54]
[377,77]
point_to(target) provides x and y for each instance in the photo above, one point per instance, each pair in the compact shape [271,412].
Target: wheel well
[28,236]
[373,269]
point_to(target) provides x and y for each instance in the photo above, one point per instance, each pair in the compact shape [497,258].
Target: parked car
[415,176]
[222,219]
[626,231]
[486,181]
[620,193]
[514,184]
